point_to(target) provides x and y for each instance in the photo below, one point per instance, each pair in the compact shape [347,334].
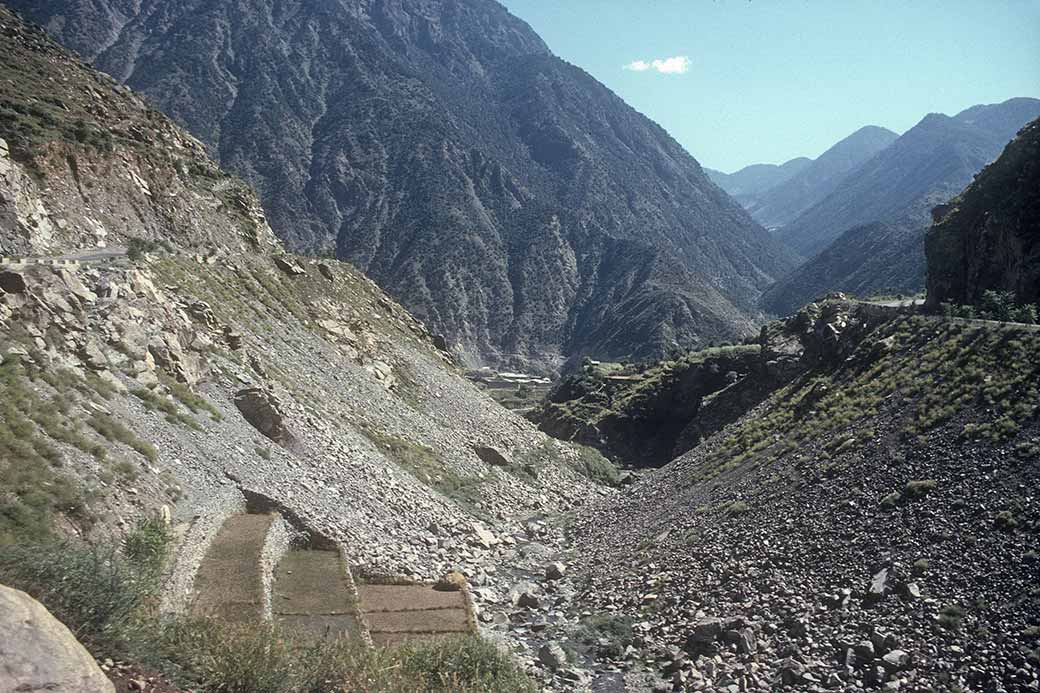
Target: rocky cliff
[988,238]
[504,196]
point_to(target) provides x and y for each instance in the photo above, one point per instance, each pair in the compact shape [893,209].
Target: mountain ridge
[926,166]
[778,205]
[494,158]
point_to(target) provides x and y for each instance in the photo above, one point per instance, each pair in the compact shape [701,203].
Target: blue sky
[753,81]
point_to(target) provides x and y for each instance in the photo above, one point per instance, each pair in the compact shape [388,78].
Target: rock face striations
[988,238]
[504,196]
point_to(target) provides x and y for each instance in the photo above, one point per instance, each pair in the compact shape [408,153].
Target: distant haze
[740,83]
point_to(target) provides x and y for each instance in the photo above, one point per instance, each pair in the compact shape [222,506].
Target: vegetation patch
[32,489]
[426,465]
[159,403]
[935,371]
[107,596]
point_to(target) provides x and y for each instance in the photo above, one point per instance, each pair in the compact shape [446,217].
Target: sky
[738,82]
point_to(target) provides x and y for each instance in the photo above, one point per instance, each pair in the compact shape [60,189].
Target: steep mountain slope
[780,204]
[867,260]
[755,179]
[926,166]
[988,238]
[204,371]
[871,524]
[502,195]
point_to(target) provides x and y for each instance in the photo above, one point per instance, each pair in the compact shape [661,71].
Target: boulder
[552,655]
[492,457]
[38,653]
[289,266]
[262,410]
[326,271]
[13,282]
[452,581]
[555,571]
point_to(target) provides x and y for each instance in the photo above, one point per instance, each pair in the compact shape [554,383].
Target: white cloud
[676,65]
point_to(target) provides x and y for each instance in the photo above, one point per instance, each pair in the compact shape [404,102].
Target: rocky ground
[853,532]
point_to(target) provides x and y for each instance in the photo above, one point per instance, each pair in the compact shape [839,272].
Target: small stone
[896,660]
[555,571]
[452,581]
[552,655]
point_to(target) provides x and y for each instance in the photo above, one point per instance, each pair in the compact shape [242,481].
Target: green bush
[595,466]
[92,590]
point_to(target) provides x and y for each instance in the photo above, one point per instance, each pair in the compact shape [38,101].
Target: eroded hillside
[163,357]
[872,523]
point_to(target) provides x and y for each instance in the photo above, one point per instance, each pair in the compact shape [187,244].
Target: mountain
[869,260]
[781,203]
[504,196]
[179,395]
[988,237]
[926,166]
[755,179]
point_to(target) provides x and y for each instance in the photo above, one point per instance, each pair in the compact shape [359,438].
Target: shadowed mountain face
[926,166]
[988,238]
[867,260]
[504,196]
[776,206]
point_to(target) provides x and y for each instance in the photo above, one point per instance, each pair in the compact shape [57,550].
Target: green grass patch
[113,431]
[426,465]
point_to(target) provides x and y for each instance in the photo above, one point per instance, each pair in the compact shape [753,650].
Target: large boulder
[12,282]
[263,412]
[38,653]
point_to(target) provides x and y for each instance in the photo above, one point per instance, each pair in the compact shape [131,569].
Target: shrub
[593,465]
[1025,313]
[997,305]
[919,489]
[950,617]
[608,633]
[1005,521]
[464,664]
[92,590]
[736,507]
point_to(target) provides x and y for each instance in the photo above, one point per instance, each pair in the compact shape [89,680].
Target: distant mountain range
[755,179]
[862,228]
[872,259]
[504,196]
[930,163]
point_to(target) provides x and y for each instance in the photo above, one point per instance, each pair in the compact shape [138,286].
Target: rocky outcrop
[499,193]
[988,238]
[637,415]
[263,412]
[38,653]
